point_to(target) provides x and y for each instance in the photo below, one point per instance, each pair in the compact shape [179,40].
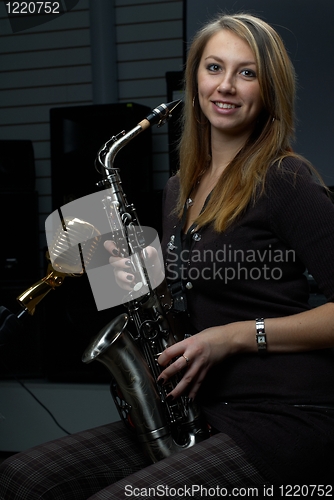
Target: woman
[259,219]
[243,219]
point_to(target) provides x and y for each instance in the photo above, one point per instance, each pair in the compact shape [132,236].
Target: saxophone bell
[140,404]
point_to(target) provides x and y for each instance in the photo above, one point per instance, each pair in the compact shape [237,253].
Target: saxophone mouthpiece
[161,114]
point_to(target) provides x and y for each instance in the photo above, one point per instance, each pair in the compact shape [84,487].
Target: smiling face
[228,87]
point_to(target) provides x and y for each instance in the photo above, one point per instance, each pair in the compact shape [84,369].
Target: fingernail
[115,252]
[129,277]
[157,356]
[108,243]
[128,263]
[161,381]
[169,398]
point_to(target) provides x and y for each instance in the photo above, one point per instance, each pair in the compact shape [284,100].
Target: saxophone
[162,427]
[130,344]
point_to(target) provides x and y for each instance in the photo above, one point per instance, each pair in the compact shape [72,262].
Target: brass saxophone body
[162,427]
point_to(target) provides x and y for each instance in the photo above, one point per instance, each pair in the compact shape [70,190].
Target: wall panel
[159,30]
[78,37]
[150,67]
[152,11]
[48,94]
[69,74]
[148,50]
[55,58]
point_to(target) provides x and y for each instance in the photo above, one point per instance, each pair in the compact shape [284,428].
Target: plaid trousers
[107,463]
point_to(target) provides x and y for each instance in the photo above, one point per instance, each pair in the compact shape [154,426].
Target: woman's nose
[226,85]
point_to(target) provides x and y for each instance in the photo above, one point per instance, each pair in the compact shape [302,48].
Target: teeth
[225,106]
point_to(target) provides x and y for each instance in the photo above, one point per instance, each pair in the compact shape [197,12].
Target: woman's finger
[124,279]
[190,381]
[111,247]
[171,352]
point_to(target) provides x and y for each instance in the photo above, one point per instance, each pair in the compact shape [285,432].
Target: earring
[196,112]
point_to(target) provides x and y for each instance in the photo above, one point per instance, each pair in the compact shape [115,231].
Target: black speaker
[17,166]
[19,249]
[77,134]
[19,208]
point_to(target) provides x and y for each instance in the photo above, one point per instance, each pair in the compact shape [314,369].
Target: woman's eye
[249,73]
[213,67]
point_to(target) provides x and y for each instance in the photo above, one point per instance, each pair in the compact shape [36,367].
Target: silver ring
[185,357]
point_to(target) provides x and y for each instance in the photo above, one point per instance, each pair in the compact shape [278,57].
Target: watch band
[261,338]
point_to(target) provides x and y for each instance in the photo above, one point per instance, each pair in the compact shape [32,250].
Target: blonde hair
[270,141]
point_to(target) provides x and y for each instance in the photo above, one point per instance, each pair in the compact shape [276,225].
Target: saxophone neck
[118,144]
[158,116]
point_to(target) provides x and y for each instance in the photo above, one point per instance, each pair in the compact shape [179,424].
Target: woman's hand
[295,333]
[195,356]
[124,267]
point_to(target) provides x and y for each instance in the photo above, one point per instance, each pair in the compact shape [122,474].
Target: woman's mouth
[224,105]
